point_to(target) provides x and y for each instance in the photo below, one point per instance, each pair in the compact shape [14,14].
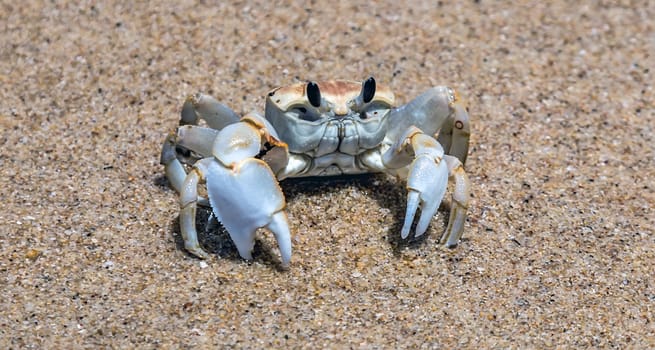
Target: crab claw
[245,198]
[426,186]
[421,160]
[243,191]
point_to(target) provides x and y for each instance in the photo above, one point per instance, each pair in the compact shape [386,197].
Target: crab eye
[368,90]
[374,110]
[313,94]
[369,114]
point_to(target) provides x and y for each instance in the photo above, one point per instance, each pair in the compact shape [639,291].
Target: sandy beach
[558,247]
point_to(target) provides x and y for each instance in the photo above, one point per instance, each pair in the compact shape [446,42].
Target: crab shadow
[388,192]
[215,240]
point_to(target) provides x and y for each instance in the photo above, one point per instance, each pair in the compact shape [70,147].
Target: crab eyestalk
[313,94]
[366,95]
[368,90]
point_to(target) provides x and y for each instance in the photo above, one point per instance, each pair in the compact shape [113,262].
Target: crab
[327,128]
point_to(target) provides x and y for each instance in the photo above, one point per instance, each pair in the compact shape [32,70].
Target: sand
[558,249]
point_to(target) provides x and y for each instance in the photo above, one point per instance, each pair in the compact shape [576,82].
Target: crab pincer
[242,190]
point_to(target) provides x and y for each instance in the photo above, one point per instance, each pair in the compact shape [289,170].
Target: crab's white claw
[247,197]
[243,191]
[426,186]
[420,159]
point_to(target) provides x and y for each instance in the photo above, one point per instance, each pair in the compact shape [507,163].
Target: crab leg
[455,133]
[174,170]
[460,201]
[439,109]
[194,138]
[188,203]
[199,140]
[200,106]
